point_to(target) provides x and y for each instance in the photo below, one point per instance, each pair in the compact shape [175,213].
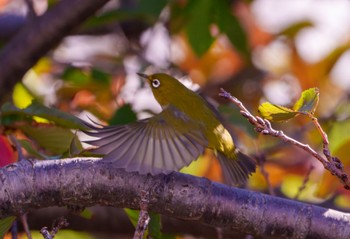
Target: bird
[172,139]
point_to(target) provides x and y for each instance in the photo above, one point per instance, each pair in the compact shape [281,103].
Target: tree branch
[332,164]
[38,36]
[83,182]
[100,222]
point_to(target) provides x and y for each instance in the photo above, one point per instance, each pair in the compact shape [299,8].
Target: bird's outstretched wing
[161,144]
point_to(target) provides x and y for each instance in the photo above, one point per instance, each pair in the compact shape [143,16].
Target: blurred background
[261,50]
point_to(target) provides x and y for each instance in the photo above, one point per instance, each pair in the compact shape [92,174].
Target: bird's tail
[237,168]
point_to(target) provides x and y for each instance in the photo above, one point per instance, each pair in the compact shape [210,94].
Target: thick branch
[100,222]
[40,35]
[86,182]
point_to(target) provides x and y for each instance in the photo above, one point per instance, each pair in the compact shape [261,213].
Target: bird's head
[165,88]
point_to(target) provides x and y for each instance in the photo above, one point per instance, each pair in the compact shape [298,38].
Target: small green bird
[172,139]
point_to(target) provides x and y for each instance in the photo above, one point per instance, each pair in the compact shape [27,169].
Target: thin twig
[144,217]
[326,151]
[14,230]
[46,233]
[219,233]
[31,9]
[305,181]
[18,147]
[57,225]
[263,126]
[25,226]
[261,162]
[325,141]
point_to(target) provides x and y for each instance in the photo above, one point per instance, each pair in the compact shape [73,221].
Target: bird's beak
[143,76]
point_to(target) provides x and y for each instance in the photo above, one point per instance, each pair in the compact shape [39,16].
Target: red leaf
[7,153]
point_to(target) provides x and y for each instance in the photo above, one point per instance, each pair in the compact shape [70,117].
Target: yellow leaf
[276,112]
[342,201]
[291,185]
[21,96]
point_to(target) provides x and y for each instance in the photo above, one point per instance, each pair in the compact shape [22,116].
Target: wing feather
[107,144]
[161,144]
[126,148]
[177,159]
[126,161]
[111,138]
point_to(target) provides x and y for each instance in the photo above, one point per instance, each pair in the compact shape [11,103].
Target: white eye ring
[155,83]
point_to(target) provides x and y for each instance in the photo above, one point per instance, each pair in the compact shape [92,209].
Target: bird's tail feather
[236,169]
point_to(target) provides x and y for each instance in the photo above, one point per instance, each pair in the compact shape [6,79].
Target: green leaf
[29,148]
[198,25]
[109,17]
[54,139]
[276,112]
[153,7]
[93,78]
[133,215]
[229,25]
[154,227]
[308,101]
[76,76]
[123,115]
[178,17]
[75,147]
[5,225]
[10,112]
[147,11]
[100,76]
[87,213]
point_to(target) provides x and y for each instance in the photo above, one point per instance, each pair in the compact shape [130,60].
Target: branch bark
[101,222]
[38,36]
[83,182]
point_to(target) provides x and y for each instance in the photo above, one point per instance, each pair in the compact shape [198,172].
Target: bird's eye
[155,83]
